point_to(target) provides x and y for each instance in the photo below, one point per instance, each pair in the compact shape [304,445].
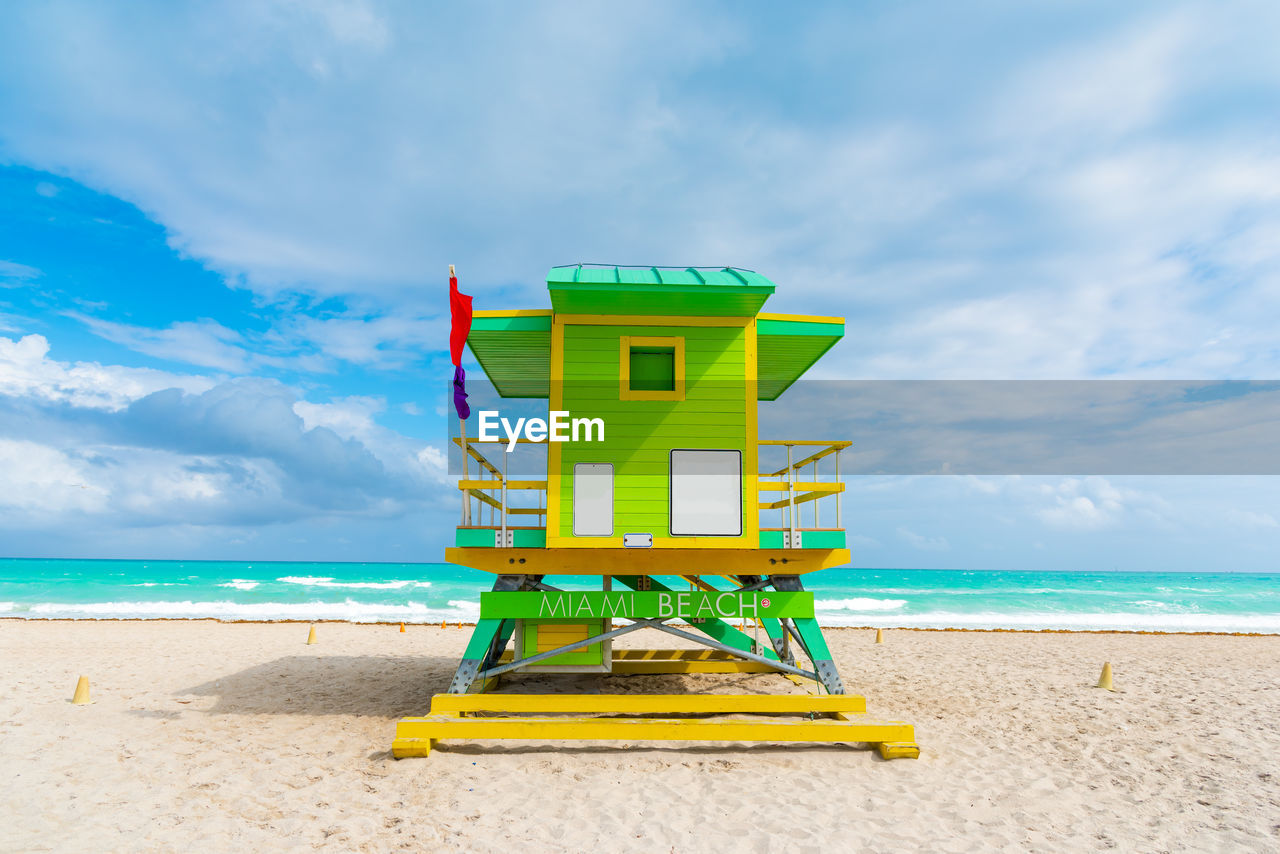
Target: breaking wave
[356,612]
[322,581]
[859,603]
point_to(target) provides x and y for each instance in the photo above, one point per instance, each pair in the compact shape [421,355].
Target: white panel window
[706,493]
[593,500]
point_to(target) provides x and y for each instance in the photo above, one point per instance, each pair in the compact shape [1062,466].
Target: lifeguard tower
[654,525]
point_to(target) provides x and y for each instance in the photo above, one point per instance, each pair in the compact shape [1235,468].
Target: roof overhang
[787,345]
[514,349]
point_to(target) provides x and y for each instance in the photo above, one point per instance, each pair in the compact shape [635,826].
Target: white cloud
[204,342]
[13,274]
[385,341]
[41,480]
[130,447]
[1085,503]
[26,371]
[349,417]
[1098,202]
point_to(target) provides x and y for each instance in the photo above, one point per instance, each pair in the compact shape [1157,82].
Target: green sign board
[641,605]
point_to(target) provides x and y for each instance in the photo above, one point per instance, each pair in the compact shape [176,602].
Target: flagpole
[462,432]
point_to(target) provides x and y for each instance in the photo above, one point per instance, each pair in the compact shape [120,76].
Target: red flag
[460,312]
[459,329]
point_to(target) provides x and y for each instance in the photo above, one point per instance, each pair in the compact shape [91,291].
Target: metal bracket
[503,539]
[465,676]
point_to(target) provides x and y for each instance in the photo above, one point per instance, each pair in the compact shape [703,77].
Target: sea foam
[859,603]
[324,581]
[356,612]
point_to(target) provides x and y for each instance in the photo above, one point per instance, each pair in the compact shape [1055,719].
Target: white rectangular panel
[593,500]
[706,493]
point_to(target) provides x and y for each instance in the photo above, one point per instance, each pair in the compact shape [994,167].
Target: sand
[215,737]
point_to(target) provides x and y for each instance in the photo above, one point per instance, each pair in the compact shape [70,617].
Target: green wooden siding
[640,434]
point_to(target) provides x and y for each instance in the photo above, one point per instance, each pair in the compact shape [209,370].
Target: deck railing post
[816,502]
[466,493]
[504,498]
[839,518]
[791,500]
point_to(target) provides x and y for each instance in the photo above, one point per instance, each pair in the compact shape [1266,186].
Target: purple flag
[460,393]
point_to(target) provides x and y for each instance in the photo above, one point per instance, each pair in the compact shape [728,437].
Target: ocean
[431,592]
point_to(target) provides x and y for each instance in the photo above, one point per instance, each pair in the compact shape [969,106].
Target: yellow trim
[834,443]
[647,320]
[799,499]
[625,343]
[801,318]
[609,558]
[648,704]
[783,486]
[497,484]
[659,541]
[511,312]
[556,402]
[751,458]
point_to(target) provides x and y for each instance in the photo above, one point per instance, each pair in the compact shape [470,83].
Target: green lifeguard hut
[656,517]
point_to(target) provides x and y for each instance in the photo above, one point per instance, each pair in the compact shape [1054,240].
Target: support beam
[772,626]
[811,635]
[516,664]
[483,645]
[648,704]
[750,656]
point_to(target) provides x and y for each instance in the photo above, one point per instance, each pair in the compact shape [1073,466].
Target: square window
[653,368]
[650,368]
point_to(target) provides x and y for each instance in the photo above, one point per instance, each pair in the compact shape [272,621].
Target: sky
[225,232]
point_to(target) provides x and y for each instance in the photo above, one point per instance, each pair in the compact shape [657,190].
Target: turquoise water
[430,592]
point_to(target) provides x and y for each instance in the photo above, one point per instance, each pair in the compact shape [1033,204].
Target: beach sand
[216,736]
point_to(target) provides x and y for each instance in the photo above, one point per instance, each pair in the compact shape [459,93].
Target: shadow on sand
[401,686]
[374,685]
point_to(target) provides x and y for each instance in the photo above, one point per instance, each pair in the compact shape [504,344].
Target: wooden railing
[800,492]
[491,489]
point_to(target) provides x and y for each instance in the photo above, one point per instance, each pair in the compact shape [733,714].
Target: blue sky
[224,232]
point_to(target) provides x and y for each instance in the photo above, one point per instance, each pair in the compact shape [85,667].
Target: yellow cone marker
[402,628]
[1105,680]
[442,624]
[311,636]
[879,635]
[81,697]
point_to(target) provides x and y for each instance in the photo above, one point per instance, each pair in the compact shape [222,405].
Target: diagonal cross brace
[715,627]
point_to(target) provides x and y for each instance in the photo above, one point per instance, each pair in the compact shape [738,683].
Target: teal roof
[667,291]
